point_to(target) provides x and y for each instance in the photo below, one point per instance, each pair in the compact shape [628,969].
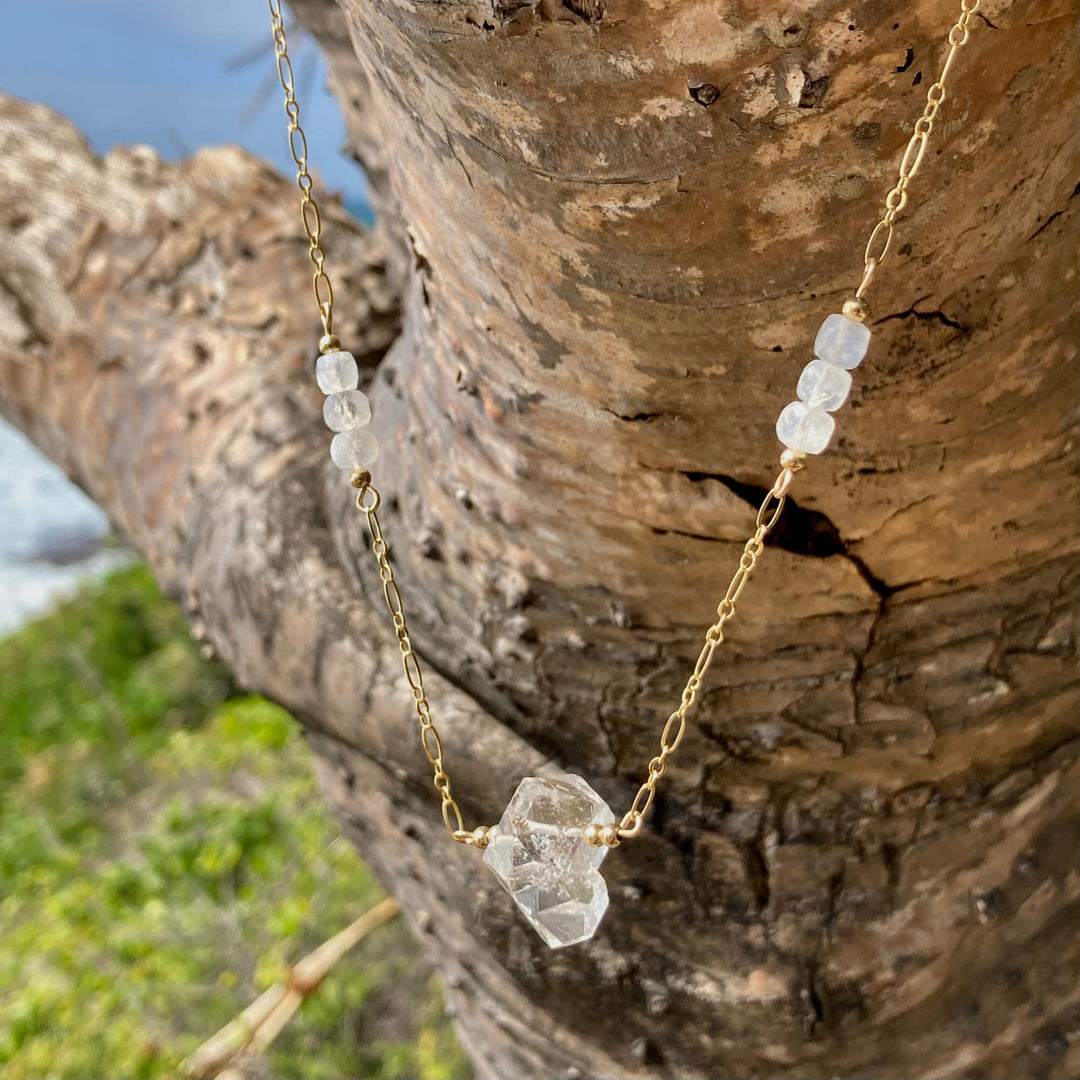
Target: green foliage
[165,853]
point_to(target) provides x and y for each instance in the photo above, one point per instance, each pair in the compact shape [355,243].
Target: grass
[165,853]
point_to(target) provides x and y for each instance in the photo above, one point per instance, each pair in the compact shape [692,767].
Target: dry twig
[263,1020]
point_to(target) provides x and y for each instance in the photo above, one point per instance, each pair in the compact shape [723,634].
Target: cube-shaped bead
[356,449]
[346,410]
[336,371]
[800,427]
[842,341]
[823,386]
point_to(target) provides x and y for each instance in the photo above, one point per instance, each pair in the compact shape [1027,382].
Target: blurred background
[165,854]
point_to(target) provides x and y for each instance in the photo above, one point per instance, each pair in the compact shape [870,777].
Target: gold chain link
[367,499]
[877,247]
[767,516]
[309,208]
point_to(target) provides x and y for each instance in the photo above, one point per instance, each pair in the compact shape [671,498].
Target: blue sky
[156,71]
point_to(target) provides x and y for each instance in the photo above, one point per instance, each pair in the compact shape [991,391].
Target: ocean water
[52,536]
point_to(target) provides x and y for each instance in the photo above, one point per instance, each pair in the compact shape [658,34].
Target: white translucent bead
[800,427]
[349,409]
[541,857]
[842,341]
[823,386]
[336,371]
[356,449]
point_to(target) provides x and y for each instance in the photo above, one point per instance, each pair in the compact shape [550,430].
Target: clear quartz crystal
[348,409]
[842,341]
[356,449]
[336,371]
[801,427]
[542,859]
[823,386]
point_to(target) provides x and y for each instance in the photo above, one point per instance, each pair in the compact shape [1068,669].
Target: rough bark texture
[612,229]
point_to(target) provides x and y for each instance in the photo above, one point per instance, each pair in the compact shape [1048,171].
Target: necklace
[555,832]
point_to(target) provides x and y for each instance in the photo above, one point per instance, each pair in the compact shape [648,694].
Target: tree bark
[608,233]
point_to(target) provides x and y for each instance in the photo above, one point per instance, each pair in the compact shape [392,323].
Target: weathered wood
[624,229]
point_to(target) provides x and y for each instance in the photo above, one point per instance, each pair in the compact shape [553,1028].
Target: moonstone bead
[336,371]
[842,341]
[823,386]
[356,449]
[800,427]
[541,857]
[349,409]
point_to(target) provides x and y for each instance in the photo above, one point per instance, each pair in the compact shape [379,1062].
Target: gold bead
[329,343]
[592,835]
[481,836]
[793,460]
[360,478]
[856,308]
[609,835]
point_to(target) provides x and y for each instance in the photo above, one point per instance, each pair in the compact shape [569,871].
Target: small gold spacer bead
[360,478]
[794,460]
[329,343]
[856,308]
[592,835]
[609,835]
[481,836]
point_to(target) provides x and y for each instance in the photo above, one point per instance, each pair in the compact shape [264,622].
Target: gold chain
[767,516]
[309,208]
[368,500]
[877,247]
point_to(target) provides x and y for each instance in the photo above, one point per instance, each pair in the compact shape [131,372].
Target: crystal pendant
[541,857]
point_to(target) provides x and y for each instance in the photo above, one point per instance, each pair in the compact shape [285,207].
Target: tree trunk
[611,229]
